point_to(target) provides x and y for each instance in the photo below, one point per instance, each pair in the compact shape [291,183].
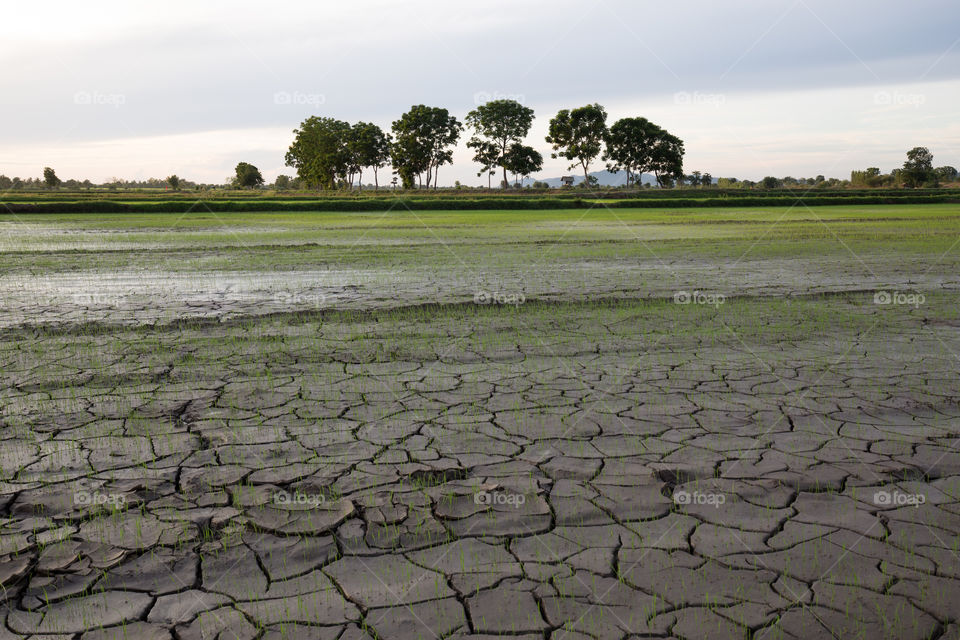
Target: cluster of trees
[51,181]
[328,153]
[246,176]
[697,179]
[917,171]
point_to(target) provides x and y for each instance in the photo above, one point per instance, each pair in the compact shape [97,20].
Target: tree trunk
[376,185]
[505,182]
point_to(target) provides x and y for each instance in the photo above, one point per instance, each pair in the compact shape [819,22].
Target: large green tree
[423,138]
[247,176]
[630,145]
[577,135]
[666,159]
[522,160]
[499,124]
[946,173]
[50,178]
[918,169]
[369,147]
[319,152]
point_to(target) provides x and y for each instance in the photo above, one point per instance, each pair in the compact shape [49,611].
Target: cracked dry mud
[768,468]
[477,472]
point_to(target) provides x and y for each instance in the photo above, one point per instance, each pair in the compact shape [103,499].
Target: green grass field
[253,241]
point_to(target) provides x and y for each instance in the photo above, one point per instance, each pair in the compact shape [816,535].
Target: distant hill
[605,178]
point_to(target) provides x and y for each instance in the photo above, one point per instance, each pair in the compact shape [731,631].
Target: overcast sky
[754,87]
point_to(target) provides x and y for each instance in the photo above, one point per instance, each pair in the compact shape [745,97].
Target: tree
[282,183]
[577,135]
[319,152]
[369,147]
[694,179]
[869,178]
[666,159]
[247,176]
[770,182]
[50,178]
[522,160]
[947,173]
[5,183]
[174,182]
[706,180]
[486,155]
[630,143]
[422,140]
[918,169]
[499,124]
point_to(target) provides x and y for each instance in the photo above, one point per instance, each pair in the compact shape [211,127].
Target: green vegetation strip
[35,197]
[438,203]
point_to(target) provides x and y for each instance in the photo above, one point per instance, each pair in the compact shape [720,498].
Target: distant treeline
[605,194]
[459,203]
[331,155]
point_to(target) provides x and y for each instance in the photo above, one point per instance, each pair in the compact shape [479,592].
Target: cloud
[193,68]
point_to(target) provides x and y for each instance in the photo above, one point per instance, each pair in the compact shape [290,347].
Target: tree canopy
[369,146]
[498,125]
[630,144]
[918,168]
[522,160]
[319,152]
[247,176]
[422,140]
[50,178]
[577,135]
[666,160]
